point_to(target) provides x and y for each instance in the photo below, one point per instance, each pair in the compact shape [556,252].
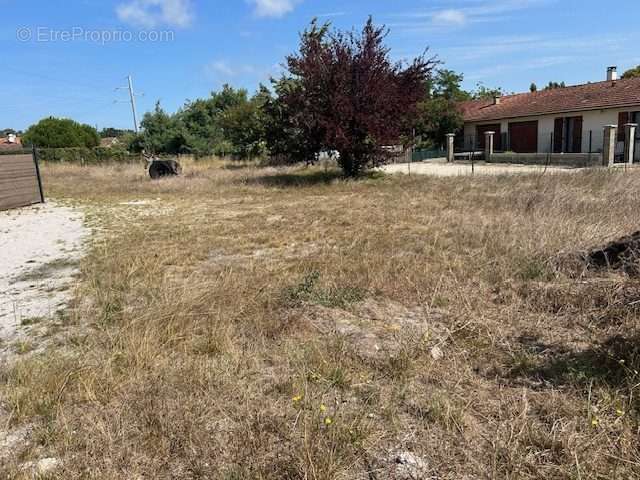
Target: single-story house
[561,120]
[10,142]
[109,142]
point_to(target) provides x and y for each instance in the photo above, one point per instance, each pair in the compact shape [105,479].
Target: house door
[497,138]
[523,137]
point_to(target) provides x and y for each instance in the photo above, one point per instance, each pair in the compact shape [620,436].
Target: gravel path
[39,250]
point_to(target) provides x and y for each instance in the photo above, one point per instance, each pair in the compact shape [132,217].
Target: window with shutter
[558,130]
[576,140]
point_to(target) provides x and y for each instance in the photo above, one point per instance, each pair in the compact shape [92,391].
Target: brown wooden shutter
[577,135]
[623,118]
[557,135]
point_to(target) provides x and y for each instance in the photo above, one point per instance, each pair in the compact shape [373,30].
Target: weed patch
[308,290]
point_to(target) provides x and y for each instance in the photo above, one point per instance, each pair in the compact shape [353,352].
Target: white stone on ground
[409,466]
[42,467]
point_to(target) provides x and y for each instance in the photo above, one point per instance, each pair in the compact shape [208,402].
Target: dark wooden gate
[523,137]
[20,183]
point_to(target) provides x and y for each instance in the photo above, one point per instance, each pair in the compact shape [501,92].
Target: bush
[60,133]
[86,156]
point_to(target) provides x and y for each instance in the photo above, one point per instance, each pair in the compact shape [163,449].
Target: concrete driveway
[440,168]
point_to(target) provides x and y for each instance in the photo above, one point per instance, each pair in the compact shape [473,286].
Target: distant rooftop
[590,96]
[13,142]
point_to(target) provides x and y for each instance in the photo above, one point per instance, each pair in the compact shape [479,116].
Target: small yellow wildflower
[594,422]
[620,412]
[328,421]
[323,408]
[297,398]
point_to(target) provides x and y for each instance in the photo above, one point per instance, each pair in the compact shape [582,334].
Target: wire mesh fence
[540,143]
[421,155]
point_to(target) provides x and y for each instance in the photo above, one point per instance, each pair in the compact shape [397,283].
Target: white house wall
[593,121]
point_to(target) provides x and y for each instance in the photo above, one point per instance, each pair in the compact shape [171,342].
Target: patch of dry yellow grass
[260,323]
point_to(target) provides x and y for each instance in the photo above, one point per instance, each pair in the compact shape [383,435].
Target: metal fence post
[35,162]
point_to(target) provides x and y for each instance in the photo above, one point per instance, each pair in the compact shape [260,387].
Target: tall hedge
[61,133]
[86,156]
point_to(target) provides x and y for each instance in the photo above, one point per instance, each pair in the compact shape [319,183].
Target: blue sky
[182,49]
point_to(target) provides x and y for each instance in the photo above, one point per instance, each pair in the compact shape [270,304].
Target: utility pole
[132,100]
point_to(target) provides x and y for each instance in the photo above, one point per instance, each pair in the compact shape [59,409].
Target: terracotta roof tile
[592,96]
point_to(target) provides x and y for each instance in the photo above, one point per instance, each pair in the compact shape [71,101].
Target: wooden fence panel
[19,181]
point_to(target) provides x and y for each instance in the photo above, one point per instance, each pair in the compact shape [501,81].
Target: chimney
[496,99]
[612,74]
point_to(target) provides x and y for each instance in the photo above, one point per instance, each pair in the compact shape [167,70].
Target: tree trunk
[351,164]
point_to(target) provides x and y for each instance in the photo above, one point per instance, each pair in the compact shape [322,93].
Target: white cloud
[273,8]
[497,47]
[497,70]
[154,13]
[449,17]
[458,13]
[331,14]
[221,67]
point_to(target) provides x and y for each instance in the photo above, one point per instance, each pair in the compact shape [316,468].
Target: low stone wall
[560,159]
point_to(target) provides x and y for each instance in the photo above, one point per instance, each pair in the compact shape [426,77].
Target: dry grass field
[245,323]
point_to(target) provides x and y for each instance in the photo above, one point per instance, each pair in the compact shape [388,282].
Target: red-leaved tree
[352,98]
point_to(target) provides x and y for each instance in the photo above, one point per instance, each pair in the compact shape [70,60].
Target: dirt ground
[441,168]
[39,250]
[244,323]
[40,247]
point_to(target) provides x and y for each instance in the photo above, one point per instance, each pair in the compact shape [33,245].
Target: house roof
[5,144]
[109,141]
[591,96]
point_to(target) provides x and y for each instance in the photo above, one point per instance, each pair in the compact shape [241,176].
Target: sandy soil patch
[39,250]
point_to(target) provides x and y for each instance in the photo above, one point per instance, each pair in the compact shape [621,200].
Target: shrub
[86,156]
[61,133]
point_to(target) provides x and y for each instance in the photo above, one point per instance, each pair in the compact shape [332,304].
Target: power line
[63,81]
[132,100]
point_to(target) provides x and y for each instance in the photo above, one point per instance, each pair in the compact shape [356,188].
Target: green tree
[61,133]
[244,125]
[632,73]
[554,85]
[483,92]
[289,135]
[448,84]
[111,132]
[161,133]
[227,122]
[202,120]
[438,113]
[533,87]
